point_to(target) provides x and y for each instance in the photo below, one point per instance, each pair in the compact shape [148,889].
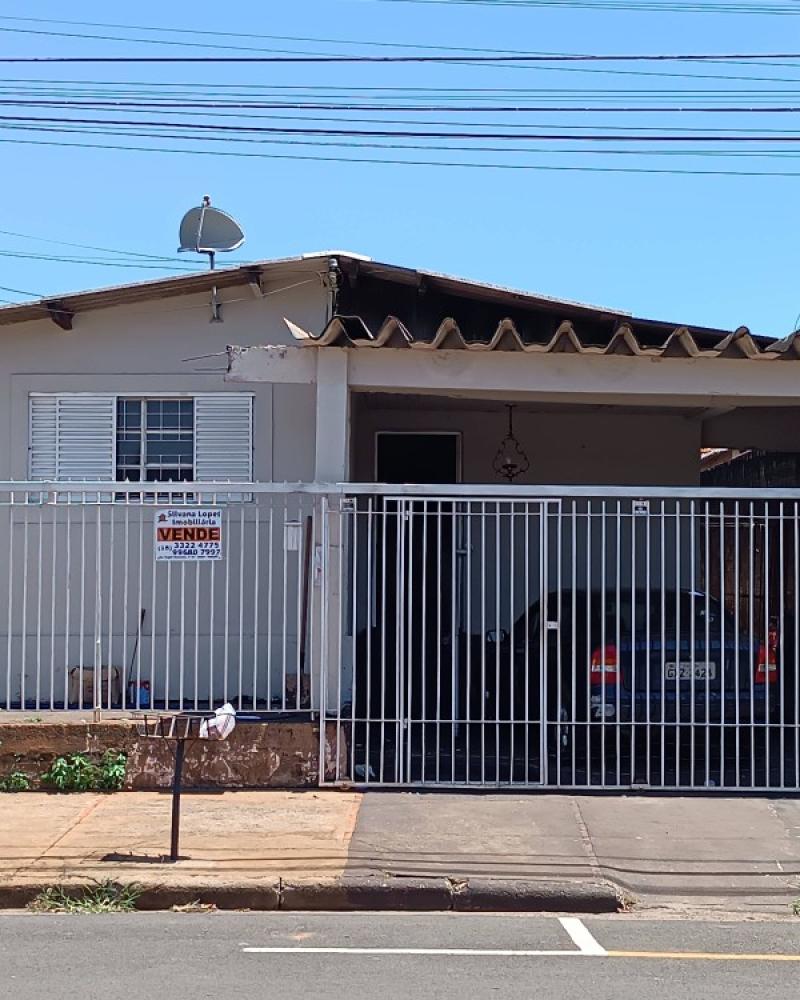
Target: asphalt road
[238,956]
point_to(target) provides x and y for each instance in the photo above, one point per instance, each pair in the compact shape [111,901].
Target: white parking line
[584,940]
[479,952]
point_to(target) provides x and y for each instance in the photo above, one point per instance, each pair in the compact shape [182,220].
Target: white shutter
[43,441]
[223,437]
[73,437]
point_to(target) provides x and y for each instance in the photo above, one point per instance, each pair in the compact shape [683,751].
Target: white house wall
[165,346]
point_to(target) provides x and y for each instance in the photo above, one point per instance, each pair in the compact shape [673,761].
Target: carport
[601,620]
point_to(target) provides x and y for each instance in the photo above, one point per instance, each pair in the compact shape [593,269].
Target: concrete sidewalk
[345,850]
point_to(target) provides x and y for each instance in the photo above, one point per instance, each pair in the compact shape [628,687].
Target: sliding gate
[589,641]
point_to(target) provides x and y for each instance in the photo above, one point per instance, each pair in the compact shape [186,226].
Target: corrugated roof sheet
[353,331]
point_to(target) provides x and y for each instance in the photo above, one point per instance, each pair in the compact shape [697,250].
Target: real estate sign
[188,533]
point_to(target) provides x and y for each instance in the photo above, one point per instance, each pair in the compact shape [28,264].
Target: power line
[99,262]
[461,59]
[649,6]
[400,134]
[86,246]
[416,163]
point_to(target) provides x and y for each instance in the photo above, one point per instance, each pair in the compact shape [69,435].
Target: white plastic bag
[221,726]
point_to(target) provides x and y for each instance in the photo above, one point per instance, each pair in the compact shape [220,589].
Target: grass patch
[17,781]
[105,897]
[796,907]
[77,772]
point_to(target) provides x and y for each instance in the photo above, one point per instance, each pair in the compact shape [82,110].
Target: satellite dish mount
[210,231]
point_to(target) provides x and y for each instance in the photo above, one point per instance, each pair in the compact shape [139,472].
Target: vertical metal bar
[692,645]
[324,659]
[154,626]
[738,641]
[53,621]
[271,592]
[24,629]
[467,641]
[559,665]
[257,593]
[176,800]
[67,597]
[140,608]
[707,588]
[424,636]
[126,500]
[400,720]
[168,638]
[678,651]
[382,751]
[226,638]
[603,639]
[406,605]
[341,610]
[573,729]
[98,610]
[726,666]
[196,672]
[512,545]
[372,585]
[634,628]
[39,532]
[483,641]
[663,678]
[527,639]
[242,551]
[497,585]
[648,598]
[453,637]
[10,615]
[752,649]
[590,726]
[354,600]
[618,643]
[284,588]
[796,658]
[110,590]
[779,656]
[438,644]
[766,644]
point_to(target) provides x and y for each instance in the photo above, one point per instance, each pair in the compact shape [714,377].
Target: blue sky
[711,250]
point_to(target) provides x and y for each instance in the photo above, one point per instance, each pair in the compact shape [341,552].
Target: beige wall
[595,448]
[164,346]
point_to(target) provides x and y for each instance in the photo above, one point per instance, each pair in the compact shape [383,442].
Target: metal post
[176,799]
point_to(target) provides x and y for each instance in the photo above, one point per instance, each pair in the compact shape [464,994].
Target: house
[458,523]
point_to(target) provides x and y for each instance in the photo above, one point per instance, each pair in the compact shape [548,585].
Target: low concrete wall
[269,755]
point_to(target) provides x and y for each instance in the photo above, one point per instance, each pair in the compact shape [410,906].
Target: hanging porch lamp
[510,460]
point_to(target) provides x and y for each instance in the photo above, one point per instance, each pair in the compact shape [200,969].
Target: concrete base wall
[268,755]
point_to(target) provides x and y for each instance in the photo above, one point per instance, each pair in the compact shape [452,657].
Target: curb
[359,892]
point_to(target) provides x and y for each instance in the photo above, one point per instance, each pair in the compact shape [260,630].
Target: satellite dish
[208,230]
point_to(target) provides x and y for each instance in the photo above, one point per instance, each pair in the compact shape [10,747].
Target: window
[155,440]
[99,437]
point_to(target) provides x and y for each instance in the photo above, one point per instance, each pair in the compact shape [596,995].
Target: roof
[386,305]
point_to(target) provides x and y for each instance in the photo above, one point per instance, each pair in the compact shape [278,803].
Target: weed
[78,773]
[796,907]
[105,897]
[15,782]
[33,718]
[112,771]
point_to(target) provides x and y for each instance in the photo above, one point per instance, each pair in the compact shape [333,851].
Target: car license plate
[686,670]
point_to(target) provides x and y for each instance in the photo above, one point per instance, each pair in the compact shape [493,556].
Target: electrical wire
[406,162]
[748,57]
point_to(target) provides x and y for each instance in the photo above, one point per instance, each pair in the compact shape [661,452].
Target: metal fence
[92,619]
[469,635]
[601,639]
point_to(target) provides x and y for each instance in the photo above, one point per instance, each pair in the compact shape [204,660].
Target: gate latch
[552,626]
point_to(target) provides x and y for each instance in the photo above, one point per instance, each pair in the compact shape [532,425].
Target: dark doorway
[417,457]
[405,665]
